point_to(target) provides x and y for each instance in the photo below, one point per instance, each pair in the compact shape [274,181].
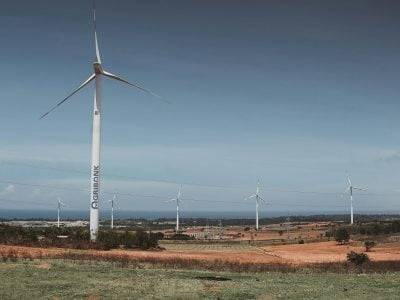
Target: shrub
[109,239]
[369,245]
[342,236]
[357,259]
[182,237]
[301,241]
[77,238]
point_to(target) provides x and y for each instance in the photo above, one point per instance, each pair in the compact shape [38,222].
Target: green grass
[77,280]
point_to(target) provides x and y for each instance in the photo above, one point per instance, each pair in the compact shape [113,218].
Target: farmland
[236,262]
[51,279]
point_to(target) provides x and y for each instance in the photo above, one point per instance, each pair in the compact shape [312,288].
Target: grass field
[52,279]
[207,246]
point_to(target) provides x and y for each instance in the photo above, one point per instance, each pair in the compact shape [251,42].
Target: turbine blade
[360,189]
[112,76]
[170,200]
[262,200]
[95,33]
[249,197]
[179,192]
[348,179]
[66,98]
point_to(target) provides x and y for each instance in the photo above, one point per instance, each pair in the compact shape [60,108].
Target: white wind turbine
[351,189]
[97,76]
[177,200]
[112,210]
[259,201]
[59,205]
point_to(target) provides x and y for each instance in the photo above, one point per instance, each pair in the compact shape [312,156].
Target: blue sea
[83,214]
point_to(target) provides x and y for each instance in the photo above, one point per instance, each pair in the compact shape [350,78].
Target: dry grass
[125,260]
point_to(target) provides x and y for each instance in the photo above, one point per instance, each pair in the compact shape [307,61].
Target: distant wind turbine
[97,76]
[177,200]
[259,201]
[59,205]
[351,189]
[112,210]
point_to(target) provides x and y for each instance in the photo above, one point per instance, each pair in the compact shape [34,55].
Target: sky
[291,93]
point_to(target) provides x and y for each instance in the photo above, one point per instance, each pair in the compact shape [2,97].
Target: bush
[301,241]
[109,239]
[77,238]
[139,239]
[342,236]
[369,245]
[357,259]
[182,237]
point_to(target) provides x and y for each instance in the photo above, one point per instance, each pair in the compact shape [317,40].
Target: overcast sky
[294,93]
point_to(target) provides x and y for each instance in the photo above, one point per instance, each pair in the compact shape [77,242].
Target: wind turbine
[259,201]
[350,189]
[112,211]
[177,200]
[59,205]
[97,77]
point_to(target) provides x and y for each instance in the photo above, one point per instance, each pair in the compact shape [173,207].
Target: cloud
[389,156]
[9,189]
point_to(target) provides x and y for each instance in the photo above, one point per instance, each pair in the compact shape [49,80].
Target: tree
[342,236]
[369,245]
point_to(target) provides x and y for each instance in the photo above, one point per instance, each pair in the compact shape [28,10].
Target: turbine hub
[98,69]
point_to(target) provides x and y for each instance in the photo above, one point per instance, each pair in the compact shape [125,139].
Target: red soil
[296,253]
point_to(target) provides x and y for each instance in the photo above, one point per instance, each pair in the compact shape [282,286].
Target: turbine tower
[177,200]
[59,205]
[98,73]
[112,211]
[351,189]
[259,201]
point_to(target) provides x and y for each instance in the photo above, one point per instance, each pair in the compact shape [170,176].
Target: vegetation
[57,279]
[369,245]
[76,237]
[357,259]
[376,228]
[386,223]
[169,223]
[342,236]
[181,237]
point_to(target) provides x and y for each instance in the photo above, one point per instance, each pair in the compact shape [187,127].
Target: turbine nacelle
[98,68]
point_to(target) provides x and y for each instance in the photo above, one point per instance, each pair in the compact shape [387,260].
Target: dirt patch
[45,266]
[297,254]
[7,266]
[331,252]
[212,287]
[265,297]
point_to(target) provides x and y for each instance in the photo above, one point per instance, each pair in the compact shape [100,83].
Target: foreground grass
[50,279]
